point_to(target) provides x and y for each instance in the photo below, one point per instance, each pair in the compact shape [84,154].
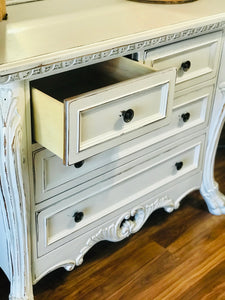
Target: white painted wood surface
[71,126]
[87,27]
[37,192]
[52,177]
[129,182]
[14,205]
[209,189]
[202,53]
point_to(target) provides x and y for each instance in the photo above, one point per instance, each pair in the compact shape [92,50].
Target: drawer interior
[73,83]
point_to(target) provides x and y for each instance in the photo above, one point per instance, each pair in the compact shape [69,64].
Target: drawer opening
[74,113]
[82,80]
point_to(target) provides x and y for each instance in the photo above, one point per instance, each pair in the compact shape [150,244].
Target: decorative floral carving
[127,224]
[65,65]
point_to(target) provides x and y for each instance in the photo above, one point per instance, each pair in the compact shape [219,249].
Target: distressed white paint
[13,204]
[89,31]
[209,189]
[56,223]
[33,200]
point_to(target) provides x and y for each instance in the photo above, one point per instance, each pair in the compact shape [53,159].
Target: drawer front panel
[106,121]
[52,177]
[56,223]
[197,58]
[96,123]
[191,110]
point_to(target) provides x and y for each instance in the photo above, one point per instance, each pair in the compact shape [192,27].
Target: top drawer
[196,60]
[80,113]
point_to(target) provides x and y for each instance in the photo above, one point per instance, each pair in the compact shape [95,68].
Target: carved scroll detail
[12,196]
[129,223]
[215,200]
[91,58]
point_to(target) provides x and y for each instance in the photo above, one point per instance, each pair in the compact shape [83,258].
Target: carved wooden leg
[14,207]
[209,189]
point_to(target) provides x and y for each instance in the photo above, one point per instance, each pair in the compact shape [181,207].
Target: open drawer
[83,112]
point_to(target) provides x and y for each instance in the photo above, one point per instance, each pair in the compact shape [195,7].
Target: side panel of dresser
[14,191]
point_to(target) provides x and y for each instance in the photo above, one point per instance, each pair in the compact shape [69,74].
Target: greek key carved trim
[81,61]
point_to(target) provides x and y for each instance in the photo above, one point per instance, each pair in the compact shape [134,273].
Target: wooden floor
[175,256]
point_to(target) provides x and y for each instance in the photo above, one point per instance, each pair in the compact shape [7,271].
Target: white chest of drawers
[92,142]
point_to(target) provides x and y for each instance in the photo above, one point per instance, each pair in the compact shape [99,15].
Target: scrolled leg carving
[13,206]
[214,199]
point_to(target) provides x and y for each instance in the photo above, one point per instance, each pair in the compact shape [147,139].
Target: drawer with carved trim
[68,218]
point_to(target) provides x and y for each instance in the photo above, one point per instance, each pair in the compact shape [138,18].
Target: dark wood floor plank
[175,226]
[107,276]
[210,286]
[185,271]
[188,273]
[201,232]
[144,280]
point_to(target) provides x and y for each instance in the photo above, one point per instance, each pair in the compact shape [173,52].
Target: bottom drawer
[63,221]
[109,228]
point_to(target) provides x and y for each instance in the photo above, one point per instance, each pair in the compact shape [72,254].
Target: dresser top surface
[44,31]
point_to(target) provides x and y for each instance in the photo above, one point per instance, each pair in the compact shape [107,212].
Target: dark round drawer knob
[185,66]
[78,216]
[128,115]
[179,165]
[185,117]
[79,164]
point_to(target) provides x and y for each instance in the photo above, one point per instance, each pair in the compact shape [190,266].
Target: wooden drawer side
[48,122]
